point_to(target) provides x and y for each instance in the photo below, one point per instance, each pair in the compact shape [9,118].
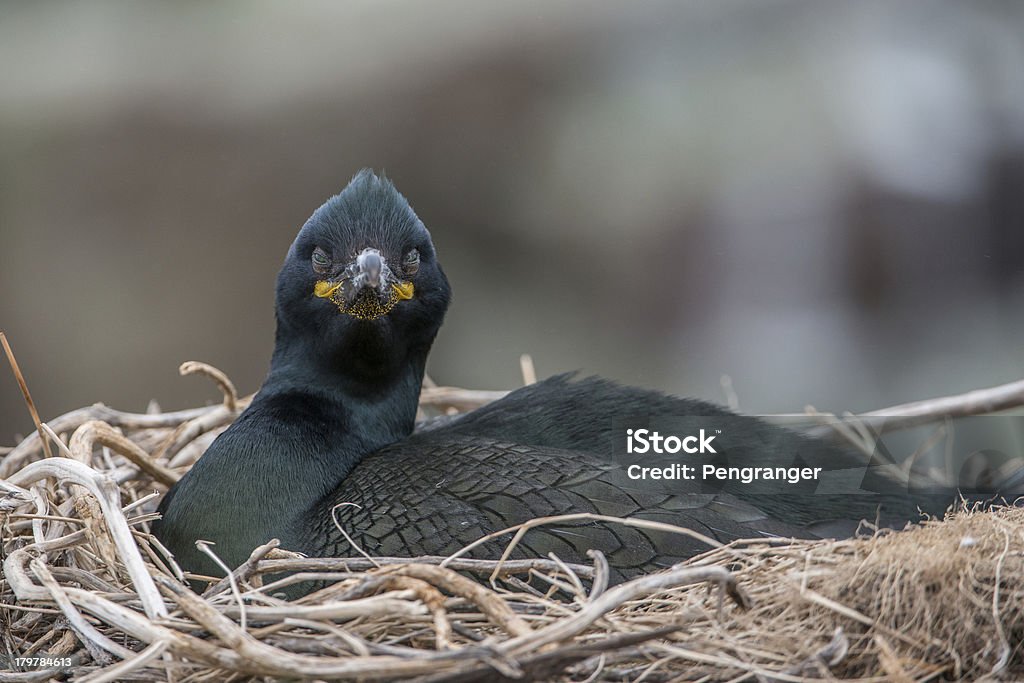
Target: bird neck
[368,390]
[365,359]
[309,436]
[386,382]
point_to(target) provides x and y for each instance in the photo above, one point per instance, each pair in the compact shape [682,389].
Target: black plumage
[328,437]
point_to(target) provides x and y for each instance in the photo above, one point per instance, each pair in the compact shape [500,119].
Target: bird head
[361,287]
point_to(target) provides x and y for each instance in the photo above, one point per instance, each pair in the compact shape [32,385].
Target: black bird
[329,441]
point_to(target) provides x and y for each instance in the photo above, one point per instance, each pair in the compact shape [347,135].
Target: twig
[394,604]
[341,529]
[732,399]
[68,422]
[356,644]
[460,399]
[244,570]
[526,367]
[109,498]
[204,547]
[96,432]
[617,595]
[87,633]
[474,566]
[431,598]
[521,529]
[25,392]
[120,670]
[226,386]
[246,654]
[489,604]
[547,665]
[601,572]
[908,415]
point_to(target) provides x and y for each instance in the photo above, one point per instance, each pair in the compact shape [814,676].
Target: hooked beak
[368,267]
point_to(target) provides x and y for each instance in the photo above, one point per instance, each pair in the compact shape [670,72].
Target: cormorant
[328,439]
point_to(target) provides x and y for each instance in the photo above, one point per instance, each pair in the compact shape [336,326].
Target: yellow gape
[366,306]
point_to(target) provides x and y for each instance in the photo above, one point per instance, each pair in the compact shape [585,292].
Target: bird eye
[321,261]
[411,262]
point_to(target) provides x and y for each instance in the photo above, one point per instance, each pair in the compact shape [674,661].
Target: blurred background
[822,201]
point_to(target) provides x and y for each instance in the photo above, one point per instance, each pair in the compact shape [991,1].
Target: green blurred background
[824,201]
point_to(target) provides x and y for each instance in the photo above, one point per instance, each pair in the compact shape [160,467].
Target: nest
[89,594]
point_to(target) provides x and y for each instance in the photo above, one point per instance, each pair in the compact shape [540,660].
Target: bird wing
[435,495]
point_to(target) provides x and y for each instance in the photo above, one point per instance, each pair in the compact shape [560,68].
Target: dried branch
[446,579]
[521,529]
[225,385]
[24,391]
[120,671]
[618,595]
[95,432]
[461,400]
[68,422]
[85,631]
[109,498]
[907,415]
[359,564]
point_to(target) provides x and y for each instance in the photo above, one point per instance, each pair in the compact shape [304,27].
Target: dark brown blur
[823,201]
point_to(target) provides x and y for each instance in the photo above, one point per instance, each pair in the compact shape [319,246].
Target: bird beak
[367,289]
[368,269]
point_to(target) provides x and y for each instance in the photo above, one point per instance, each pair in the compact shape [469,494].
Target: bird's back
[555,448]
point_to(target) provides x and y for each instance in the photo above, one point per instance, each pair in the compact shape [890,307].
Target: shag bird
[328,440]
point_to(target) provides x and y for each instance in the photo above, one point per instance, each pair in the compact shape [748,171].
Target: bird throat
[367,305]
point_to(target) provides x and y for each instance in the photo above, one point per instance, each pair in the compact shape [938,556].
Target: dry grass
[83,579]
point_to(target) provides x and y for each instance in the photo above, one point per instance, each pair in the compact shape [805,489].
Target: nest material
[85,583]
